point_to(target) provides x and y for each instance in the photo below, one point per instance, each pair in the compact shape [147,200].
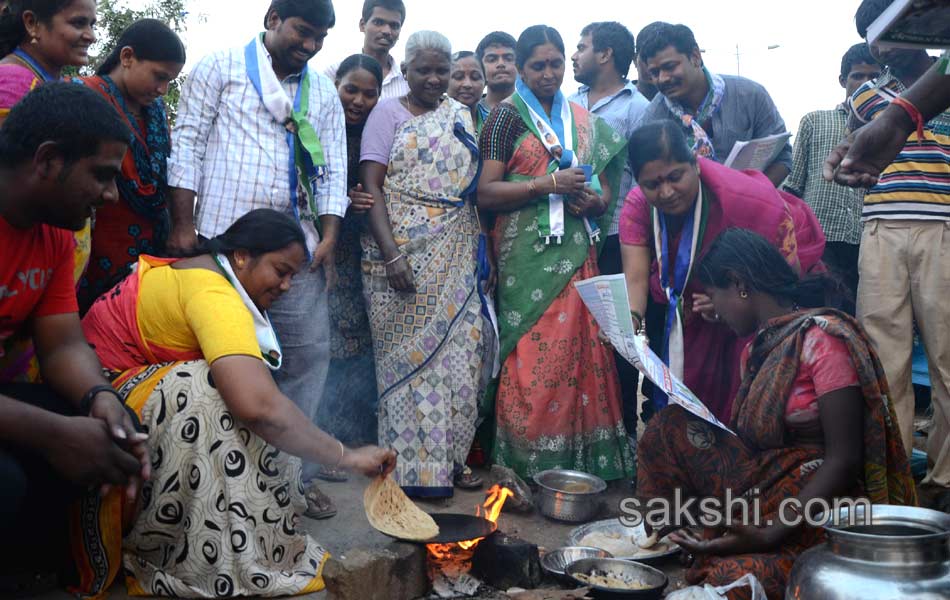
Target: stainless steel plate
[621,539]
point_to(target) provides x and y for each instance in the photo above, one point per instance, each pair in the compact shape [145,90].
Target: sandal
[331,474]
[465,479]
[319,505]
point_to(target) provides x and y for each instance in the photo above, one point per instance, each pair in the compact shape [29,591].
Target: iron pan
[454,528]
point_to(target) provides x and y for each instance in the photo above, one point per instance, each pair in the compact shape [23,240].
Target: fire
[493,505]
[490,510]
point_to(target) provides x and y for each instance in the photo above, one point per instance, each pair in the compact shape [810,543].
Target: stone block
[396,571]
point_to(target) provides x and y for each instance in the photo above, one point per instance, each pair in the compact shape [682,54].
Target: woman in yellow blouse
[191,345]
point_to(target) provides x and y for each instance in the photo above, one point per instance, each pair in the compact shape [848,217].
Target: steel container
[898,552]
[570,495]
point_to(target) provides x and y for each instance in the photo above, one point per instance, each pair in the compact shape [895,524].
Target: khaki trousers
[905,276]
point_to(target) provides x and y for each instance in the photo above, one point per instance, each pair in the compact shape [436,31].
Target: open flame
[495,501]
[490,510]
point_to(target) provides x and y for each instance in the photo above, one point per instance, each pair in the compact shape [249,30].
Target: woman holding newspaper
[812,423]
[668,222]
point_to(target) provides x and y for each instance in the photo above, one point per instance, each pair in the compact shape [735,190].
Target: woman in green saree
[550,173]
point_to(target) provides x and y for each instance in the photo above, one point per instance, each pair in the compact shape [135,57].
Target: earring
[744,294]
[34,41]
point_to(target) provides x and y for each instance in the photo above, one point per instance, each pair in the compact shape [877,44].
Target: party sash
[40,73]
[692,236]
[553,134]
[307,166]
[266,336]
[697,138]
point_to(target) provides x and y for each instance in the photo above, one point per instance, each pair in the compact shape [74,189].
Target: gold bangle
[554,179]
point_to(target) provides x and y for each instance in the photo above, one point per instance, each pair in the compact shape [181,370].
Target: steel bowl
[556,561]
[653,580]
[570,495]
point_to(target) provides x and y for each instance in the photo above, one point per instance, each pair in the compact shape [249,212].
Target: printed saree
[430,346]
[220,515]
[558,398]
[349,405]
[680,451]
[139,223]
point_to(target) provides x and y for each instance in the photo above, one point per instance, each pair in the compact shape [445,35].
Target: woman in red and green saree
[812,420]
[558,398]
[133,79]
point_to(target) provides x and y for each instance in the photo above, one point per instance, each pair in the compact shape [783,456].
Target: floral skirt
[219,516]
[558,404]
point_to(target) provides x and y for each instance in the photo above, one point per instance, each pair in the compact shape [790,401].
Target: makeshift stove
[468,567]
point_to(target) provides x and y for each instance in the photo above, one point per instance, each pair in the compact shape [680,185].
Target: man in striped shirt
[905,274]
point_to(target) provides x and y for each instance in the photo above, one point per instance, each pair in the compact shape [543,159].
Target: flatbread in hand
[389,510]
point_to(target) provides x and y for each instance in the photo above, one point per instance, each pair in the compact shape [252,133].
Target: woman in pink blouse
[668,222]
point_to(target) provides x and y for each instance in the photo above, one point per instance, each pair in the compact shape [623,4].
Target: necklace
[410,100]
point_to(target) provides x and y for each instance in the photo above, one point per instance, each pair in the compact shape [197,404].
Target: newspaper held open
[606,298]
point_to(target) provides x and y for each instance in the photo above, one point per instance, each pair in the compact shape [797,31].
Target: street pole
[737,61]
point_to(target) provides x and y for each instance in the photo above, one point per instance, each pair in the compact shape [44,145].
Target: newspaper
[758,154]
[606,298]
[912,24]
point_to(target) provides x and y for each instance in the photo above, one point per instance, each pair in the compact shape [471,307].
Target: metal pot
[570,495]
[899,552]
[651,581]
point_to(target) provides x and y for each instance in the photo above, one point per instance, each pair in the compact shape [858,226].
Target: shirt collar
[627,87]
[394,71]
[291,77]
[584,90]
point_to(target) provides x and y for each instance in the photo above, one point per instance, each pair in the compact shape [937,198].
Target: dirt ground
[349,528]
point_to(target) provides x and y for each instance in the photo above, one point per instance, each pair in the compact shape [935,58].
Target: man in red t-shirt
[60,150]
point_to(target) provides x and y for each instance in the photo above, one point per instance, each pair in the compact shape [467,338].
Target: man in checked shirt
[232,150]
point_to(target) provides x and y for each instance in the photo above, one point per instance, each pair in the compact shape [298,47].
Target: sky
[801,74]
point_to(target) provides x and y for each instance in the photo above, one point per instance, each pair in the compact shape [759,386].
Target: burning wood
[449,564]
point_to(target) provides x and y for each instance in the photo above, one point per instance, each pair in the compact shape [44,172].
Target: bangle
[532,187]
[342,452]
[85,404]
[914,113]
[641,323]
[554,179]
[393,261]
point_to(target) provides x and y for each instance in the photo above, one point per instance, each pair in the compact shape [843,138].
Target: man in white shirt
[235,148]
[381,25]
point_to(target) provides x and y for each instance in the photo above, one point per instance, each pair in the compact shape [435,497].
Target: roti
[389,510]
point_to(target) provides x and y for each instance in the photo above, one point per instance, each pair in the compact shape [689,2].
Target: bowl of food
[556,561]
[570,496]
[629,543]
[616,579]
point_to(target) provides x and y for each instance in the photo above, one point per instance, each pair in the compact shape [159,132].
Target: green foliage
[114,16]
